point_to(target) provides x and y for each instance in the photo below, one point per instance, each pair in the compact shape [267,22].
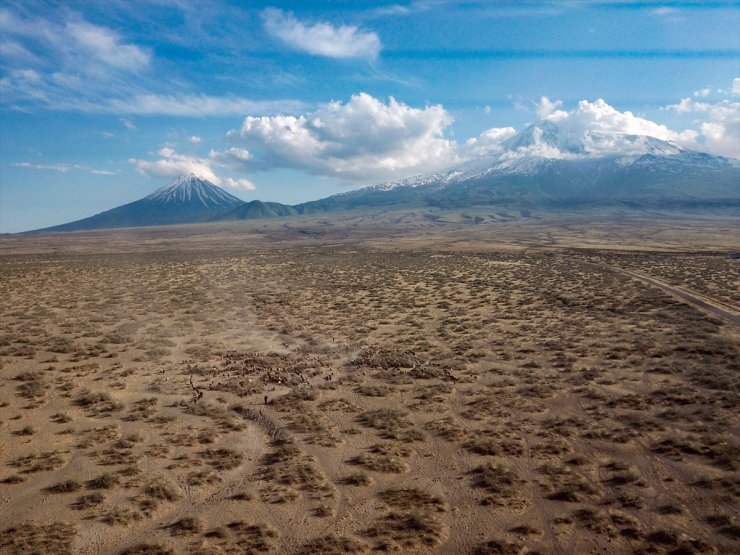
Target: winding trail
[702,302]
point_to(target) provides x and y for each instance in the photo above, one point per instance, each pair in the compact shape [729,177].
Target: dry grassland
[486,401]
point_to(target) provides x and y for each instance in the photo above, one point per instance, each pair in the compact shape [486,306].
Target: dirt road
[707,305]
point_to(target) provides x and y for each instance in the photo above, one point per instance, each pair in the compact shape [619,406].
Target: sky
[103,102]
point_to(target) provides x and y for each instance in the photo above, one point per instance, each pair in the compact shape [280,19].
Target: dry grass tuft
[384,457]
[186,526]
[88,501]
[390,424]
[500,547]
[55,538]
[501,483]
[68,486]
[43,462]
[334,545]
[149,549]
[288,470]
[413,521]
[222,459]
[356,479]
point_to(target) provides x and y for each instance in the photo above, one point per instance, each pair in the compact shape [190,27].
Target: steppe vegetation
[353,399]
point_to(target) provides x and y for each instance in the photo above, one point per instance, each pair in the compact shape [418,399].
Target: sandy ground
[435,388]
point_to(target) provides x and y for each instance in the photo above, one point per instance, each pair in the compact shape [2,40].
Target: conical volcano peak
[184,180]
[189,198]
[187,178]
[192,189]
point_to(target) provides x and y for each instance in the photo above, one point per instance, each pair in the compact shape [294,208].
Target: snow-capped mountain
[187,199]
[543,166]
[193,190]
[548,166]
[538,146]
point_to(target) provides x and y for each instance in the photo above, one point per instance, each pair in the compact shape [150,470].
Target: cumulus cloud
[599,116]
[546,107]
[703,93]
[364,138]
[234,158]
[195,139]
[172,164]
[240,183]
[321,39]
[596,128]
[720,130]
[721,133]
[487,143]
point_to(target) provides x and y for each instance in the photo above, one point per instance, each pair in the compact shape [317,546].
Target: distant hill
[188,199]
[257,209]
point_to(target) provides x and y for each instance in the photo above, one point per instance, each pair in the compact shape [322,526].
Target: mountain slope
[545,166]
[258,209]
[188,199]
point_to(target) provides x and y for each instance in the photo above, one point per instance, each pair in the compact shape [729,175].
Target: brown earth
[510,387]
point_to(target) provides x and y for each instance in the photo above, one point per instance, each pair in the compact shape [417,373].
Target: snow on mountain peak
[542,144]
[193,189]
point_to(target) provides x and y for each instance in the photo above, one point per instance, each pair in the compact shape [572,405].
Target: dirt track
[708,305]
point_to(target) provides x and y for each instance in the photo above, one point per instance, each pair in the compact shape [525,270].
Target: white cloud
[62,168]
[60,62]
[195,139]
[702,93]
[172,164]
[321,39]
[393,9]
[362,140]
[54,167]
[241,183]
[599,116]
[684,106]
[721,133]
[78,44]
[487,142]
[106,46]
[193,105]
[234,158]
[546,107]
[736,86]
[12,50]
[128,124]
[663,10]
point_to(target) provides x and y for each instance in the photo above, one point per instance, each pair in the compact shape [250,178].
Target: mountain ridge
[542,166]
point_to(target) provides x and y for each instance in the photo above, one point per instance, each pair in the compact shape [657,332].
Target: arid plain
[417,382]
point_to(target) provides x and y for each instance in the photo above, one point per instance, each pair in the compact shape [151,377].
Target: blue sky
[103,102]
